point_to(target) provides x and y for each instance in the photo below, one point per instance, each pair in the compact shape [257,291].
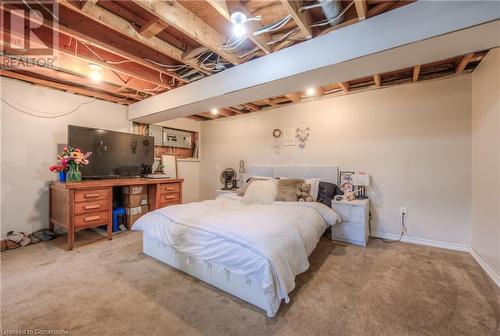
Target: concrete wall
[486,161]
[414,140]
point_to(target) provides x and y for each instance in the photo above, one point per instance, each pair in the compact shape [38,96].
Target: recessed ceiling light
[310,91]
[214,111]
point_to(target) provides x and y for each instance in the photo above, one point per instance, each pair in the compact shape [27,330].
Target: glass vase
[74,174]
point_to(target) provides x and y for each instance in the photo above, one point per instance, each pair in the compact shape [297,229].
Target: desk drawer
[92,219]
[170,198]
[170,188]
[91,206]
[91,195]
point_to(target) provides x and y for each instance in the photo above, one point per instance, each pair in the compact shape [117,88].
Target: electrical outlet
[403,211]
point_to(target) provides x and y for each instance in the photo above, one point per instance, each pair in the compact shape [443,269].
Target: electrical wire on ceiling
[286,36]
[273,27]
[40,114]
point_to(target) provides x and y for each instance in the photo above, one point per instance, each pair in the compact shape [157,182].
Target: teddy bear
[304,195]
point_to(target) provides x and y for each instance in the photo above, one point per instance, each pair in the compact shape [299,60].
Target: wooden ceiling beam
[64,87]
[380,8]
[192,53]
[251,26]
[294,96]
[67,51]
[122,26]
[235,110]
[88,5]
[345,86]
[361,9]
[378,80]
[72,78]
[152,28]
[252,106]
[319,92]
[198,118]
[302,19]
[416,73]
[178,16]
[462,62]
[106,47]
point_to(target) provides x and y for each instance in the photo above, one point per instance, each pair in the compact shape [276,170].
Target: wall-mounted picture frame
[289,136]
[345,181]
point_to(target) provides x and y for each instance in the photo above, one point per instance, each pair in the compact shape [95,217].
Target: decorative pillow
[241,191]
[314,182]
[288,189]
[261,192]
[326,192]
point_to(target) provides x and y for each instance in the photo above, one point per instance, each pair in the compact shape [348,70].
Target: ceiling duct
[331,9]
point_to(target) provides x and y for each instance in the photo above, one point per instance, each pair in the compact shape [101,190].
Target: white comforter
[267,243]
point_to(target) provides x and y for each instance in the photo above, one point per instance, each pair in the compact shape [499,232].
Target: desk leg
[110,221]
[71,236]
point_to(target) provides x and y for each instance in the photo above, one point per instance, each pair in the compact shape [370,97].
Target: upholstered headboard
[326,173]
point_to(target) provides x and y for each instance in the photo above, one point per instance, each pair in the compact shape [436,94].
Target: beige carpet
[110,288]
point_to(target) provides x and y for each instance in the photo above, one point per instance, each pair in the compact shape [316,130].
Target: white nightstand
[354,228]
[221,192]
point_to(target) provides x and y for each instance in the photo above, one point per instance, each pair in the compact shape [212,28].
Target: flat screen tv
[114,154]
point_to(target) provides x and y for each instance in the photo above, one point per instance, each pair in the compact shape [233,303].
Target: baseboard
[450,246]
[487,268]
[421,241]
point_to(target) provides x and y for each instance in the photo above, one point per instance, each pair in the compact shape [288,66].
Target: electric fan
[227,177]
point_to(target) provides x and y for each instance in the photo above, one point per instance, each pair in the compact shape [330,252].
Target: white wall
[29,147]
[414,140]
[189,169]
[486,160]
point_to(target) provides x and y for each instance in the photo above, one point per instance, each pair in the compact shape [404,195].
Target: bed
[253,252]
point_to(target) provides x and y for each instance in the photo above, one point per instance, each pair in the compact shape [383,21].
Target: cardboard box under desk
[133,214]
[136,190]
[132,200]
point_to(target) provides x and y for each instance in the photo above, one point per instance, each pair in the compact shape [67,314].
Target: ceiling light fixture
[310,91]
[95,74]
[238,20]
[214,111]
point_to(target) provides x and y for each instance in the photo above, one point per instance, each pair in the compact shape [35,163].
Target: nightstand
[354,228]
[222,192]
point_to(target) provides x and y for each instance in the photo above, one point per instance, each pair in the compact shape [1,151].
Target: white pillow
[261,192]
[314,182]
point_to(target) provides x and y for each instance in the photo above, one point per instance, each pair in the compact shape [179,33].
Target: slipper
[46,232]
[3,244]
[33,239]
[42,236]
[20,238]
[11,245]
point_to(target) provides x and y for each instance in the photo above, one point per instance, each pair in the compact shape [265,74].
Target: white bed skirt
[231,283]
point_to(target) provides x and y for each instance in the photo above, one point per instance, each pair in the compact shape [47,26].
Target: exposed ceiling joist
[302,19]
[378,80]
[64,87]
[345,86]
[90,41]
[152,28]
[178,16]
[361,9]
[192,53]
[462,63]
[416,73]
[319,92]
[294,96]
[122,26]
[88,4]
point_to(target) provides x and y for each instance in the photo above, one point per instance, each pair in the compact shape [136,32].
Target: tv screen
[114,154]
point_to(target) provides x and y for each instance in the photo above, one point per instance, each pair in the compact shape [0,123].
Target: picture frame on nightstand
[345,181]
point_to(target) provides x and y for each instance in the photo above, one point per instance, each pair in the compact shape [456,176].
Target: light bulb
[239,30]
[95,76]
[310,91]
[238,18]
[214,111]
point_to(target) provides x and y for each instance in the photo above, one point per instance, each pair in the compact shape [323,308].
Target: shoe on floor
[3,245]
[34,239]
[19,237]
[11,245]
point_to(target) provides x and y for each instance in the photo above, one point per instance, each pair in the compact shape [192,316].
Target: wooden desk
[80,205]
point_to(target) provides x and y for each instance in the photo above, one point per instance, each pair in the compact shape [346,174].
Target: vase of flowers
[68,162]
